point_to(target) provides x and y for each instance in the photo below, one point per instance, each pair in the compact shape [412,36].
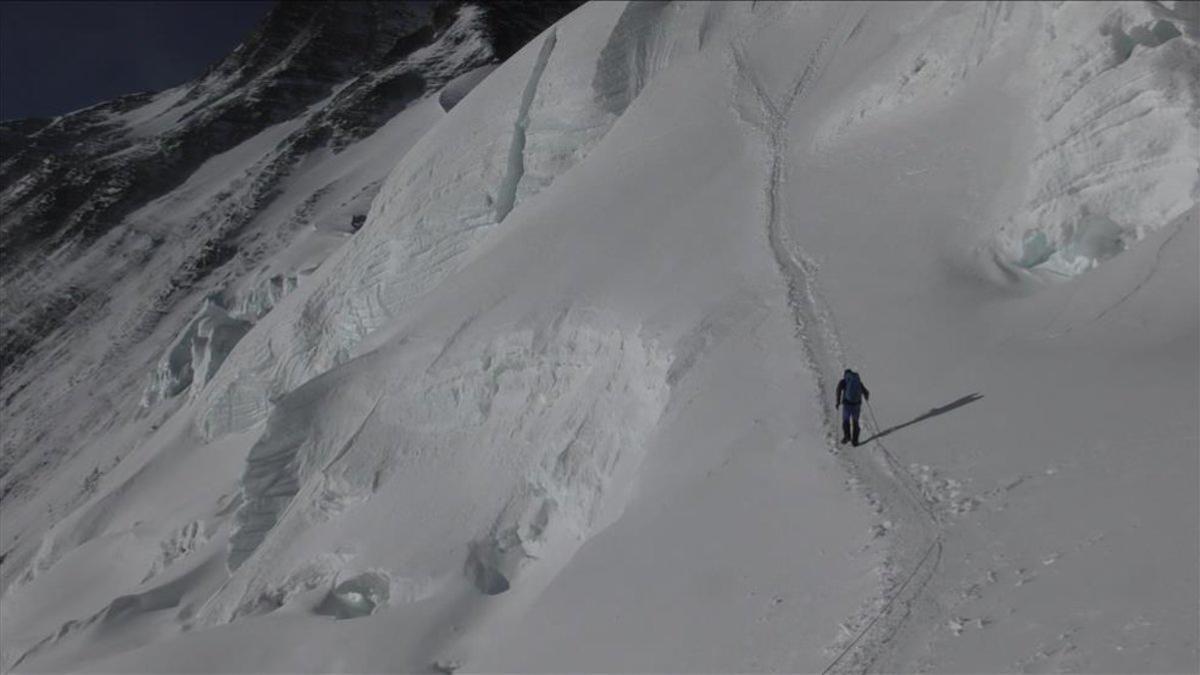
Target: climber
[850,394]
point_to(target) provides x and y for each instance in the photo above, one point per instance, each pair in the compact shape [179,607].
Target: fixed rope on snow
[905,478]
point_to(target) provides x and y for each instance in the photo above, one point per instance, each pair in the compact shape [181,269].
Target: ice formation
[529,367]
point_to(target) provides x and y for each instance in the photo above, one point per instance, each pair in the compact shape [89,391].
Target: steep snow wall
[436,209]
[416,237]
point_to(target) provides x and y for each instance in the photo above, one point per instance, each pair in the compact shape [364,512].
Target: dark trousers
[850,428]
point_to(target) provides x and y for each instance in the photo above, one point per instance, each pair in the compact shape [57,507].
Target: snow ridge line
[507,193]
[821,346]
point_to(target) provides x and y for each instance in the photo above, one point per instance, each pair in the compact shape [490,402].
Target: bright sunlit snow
[564,401]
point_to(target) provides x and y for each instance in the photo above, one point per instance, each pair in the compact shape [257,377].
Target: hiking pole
[874,423]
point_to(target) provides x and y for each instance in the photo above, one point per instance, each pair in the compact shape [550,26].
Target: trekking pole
[874,423]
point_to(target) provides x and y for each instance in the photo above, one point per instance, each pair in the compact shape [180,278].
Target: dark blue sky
[58,56]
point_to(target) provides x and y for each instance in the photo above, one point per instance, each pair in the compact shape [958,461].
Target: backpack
[853,392]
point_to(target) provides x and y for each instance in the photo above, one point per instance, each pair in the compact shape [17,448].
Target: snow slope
[124,223]
[564,402]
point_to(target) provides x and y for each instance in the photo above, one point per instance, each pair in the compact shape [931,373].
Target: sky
[58,56]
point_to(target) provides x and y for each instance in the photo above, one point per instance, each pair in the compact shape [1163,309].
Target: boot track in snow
[816,330]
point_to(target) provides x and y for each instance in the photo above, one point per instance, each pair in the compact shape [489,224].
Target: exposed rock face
[103,225]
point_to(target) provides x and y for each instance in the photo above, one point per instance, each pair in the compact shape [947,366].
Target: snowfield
[564,402]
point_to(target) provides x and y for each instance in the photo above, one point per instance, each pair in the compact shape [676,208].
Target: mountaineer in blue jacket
[850,395]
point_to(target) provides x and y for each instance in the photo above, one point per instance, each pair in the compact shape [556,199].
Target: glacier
[536,375]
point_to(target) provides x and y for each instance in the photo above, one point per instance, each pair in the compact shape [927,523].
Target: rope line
[905,478]
[937,542]
[900,470]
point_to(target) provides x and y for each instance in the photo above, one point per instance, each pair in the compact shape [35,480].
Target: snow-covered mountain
[360,353]
[119,220]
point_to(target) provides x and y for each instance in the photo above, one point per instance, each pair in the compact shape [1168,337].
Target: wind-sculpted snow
[536,375]
[419,233]
[529,418]
[1114,129]
[437,207]
[637,48]
[1115,155]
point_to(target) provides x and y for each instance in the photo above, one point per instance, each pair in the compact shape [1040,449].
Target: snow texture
[539,376]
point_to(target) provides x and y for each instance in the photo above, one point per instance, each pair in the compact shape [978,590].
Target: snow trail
[823,353]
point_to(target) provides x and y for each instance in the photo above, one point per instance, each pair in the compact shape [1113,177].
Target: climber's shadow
[933,412]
